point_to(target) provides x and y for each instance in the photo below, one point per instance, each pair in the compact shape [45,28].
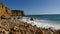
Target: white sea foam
[41,23]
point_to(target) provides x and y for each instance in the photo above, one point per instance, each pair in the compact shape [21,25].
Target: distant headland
[5,12]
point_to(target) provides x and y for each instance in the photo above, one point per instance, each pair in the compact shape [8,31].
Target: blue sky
[34,6]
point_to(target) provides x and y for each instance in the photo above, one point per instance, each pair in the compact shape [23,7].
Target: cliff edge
[7,13]
[4,11]
[17,13]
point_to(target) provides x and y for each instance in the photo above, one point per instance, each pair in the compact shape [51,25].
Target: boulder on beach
[31,19]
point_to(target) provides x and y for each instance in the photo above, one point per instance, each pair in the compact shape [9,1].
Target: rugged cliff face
[4,11]
[7,13]
[17,13]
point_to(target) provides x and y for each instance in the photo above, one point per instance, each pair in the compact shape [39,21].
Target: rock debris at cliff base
[15,26]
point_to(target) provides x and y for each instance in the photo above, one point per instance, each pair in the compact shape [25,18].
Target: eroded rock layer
[7,13]
[4,11]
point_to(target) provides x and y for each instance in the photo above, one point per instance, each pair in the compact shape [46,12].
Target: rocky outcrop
[15,26]
[17,13]
[7,13]
[4,11]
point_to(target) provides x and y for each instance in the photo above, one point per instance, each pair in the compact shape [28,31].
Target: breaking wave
[41,23]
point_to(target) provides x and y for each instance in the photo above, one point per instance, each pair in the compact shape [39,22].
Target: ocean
[43,21]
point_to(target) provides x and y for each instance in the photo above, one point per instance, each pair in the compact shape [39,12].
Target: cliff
[7,13]
[17,13]
[4,11]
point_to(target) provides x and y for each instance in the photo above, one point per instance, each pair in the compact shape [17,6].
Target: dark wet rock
[31,19]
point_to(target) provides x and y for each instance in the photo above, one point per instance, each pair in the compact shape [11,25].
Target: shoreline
[40,23]
[19,27]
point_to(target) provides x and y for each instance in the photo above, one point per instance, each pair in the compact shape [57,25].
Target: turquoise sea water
[55,18]
[45,20]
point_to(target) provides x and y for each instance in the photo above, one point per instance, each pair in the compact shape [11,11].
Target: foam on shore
[41,23]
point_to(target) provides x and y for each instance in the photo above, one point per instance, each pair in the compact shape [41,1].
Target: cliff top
[1,3]
[17,10]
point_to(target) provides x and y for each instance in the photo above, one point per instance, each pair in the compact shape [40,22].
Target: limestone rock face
[4,11]
[7,13]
